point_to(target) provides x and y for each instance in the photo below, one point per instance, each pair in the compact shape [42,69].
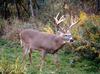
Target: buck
[32,40]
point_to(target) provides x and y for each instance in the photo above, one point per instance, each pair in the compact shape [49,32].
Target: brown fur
[34,40]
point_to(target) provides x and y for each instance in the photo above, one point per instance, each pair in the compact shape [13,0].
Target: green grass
[11,58]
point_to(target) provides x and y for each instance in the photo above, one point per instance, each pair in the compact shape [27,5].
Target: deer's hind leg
[26,50]
[30,56]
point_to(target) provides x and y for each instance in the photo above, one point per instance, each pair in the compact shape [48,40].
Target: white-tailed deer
[45,43]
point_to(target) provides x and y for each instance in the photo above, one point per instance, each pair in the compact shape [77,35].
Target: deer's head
[65,31]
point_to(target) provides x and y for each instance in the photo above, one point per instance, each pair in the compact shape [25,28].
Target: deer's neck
[59,44]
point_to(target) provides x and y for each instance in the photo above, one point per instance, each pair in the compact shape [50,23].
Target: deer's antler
[73,21]
[58,21]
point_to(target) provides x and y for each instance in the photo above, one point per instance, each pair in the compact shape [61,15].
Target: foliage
[83,17]
[48,29]
[89,43]
[7,67]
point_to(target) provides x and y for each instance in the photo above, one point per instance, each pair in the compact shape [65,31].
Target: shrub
[88,47]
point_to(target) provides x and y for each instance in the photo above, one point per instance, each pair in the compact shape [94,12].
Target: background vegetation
[81,57]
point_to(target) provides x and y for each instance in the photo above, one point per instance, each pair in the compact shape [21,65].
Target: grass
[11,58]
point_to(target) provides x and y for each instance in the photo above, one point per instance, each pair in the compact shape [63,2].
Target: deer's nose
[71,40]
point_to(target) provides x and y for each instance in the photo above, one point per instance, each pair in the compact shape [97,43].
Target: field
[11,62]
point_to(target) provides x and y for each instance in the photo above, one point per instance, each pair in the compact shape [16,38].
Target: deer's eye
[66,37]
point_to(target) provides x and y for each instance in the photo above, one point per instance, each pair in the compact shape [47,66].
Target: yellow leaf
[48,29]
[83,17]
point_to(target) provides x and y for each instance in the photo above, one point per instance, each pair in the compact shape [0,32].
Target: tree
[31,8]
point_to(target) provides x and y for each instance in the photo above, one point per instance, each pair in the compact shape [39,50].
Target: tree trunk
[5,10]
[98,5]
[27,12]
[31,8]
[18,12]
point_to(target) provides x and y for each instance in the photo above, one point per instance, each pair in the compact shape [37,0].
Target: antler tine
[62,18]
[73,22]
[55,18]
[57,21]
[57,15]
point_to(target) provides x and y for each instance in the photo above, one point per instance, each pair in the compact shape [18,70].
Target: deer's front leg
[43,54]
[56,60]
